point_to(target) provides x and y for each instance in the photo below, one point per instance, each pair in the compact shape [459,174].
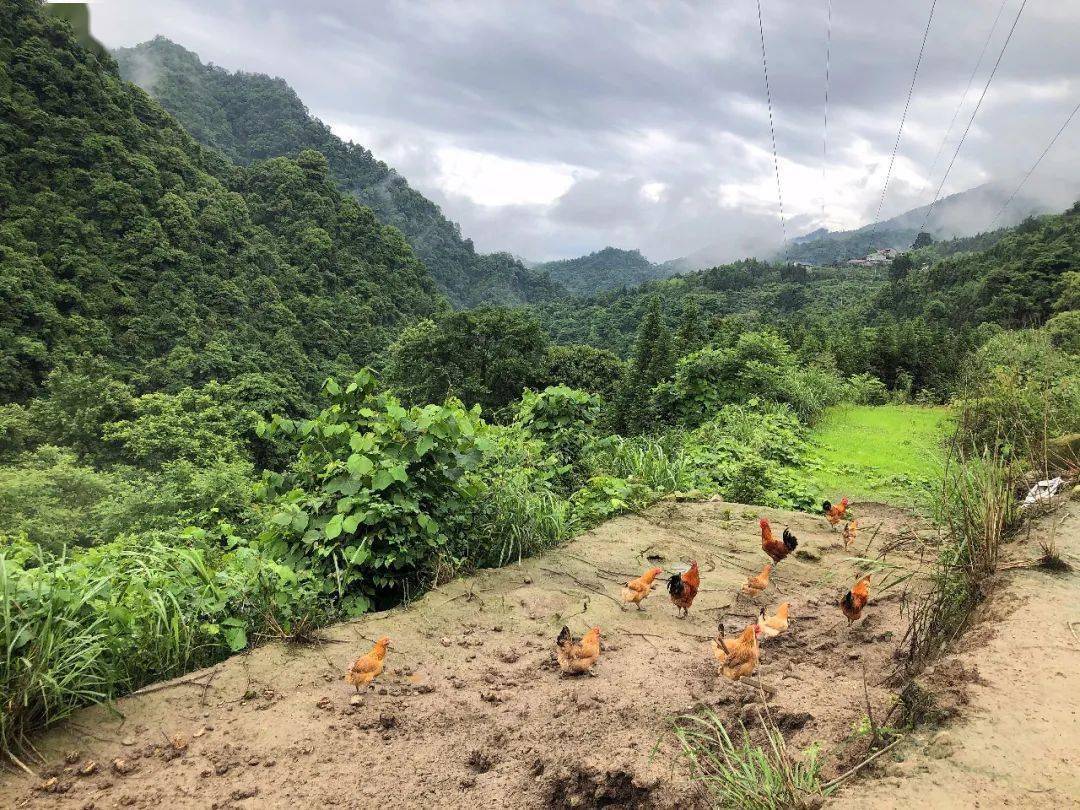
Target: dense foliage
[252,117]
[123,238]
[603,270]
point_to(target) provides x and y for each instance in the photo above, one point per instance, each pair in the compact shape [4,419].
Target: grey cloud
[585,84]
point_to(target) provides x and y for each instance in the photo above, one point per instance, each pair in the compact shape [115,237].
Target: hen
[368,667]
[777,549]
[577,657]
[740,656]
[773,626]
[850,531]
[834,513]
[684,587]
[756,584]
[855,600]
[637,589]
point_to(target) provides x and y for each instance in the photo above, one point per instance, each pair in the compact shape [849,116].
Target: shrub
[564,419]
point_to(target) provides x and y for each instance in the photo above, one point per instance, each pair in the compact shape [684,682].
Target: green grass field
[888,453]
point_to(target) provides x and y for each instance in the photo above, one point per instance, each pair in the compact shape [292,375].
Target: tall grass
[52,659]
[659,464]
[977,506]
[519,519]
[740,774]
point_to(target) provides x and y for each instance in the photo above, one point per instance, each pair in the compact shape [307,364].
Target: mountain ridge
[251,116]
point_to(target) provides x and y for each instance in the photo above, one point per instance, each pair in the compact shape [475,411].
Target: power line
[1034,166]
[974,112]
[963,98]
[772,127]
[903,118]
[825,131]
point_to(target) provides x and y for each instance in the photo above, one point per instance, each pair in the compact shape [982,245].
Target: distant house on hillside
[883,256]
[805,265]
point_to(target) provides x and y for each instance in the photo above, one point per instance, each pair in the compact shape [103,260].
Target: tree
[922,240]
[651,363]
[900,267]
[690,336]
[484,356]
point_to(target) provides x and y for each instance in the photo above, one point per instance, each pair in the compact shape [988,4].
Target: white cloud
[488,179]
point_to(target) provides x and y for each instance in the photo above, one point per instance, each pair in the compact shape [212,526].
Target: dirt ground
[1017,743]
[472,710]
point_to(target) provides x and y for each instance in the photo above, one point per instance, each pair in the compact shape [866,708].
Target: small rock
[221,769]
[199,732]
[445,641]
[122,766]
[244,793]
[128,741]
[356,700]
[49,785]
[88,768]
[269,763]
[527,580]
[71,757]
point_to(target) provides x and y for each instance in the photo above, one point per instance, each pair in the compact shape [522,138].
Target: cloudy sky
[551,129]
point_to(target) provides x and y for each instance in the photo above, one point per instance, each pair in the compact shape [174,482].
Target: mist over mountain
[251,117]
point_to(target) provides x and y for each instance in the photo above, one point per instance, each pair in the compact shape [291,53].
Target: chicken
[773,626]
[850,530]
[577,657]
[776,549]
[756,584]
[855,600]
[637,589]
[684,587]
[368,667]
[741,656]
[834,513]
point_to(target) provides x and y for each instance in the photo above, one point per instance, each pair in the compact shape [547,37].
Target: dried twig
[195,680]
[585,585]
[830,785]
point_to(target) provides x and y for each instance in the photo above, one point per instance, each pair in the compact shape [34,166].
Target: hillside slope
[251,117]
[122,237]
[607,269]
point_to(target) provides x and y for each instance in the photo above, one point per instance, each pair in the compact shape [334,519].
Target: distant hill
[959,215]
[607,269]
[251,116]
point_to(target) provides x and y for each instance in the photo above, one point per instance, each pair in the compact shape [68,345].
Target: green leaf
[282,518]
[300,522]
[351,522]
[236,638]
[382,480]
[424,444]
[359,465]
[398,473]
[333,528]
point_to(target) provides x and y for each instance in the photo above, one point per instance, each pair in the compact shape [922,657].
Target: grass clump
[741,774]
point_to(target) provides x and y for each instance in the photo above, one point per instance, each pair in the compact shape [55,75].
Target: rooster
[773,626]
[739,656]
[776,549]
[577,657]
[855,600]
[850,531]
[683,588]
[756,584]
[637,589]
[834,513]
[368,667]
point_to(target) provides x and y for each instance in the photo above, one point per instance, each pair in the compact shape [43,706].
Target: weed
[744,775]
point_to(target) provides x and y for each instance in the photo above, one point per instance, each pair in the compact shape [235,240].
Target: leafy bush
[564,419]
[376,490]
[1018,392]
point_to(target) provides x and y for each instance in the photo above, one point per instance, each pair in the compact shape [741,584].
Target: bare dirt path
[1018,742]
[471,710]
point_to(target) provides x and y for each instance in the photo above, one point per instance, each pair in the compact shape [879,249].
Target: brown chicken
[683,588]
[756,584]
[637,589]
[368,667]
[577,657]
[739,656]
[834,513]
[850,531]
[777,549]
[855,600]
[773,626]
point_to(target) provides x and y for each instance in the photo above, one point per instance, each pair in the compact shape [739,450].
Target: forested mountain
[123,238]
[607,269]
[959,215]
[251,117]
